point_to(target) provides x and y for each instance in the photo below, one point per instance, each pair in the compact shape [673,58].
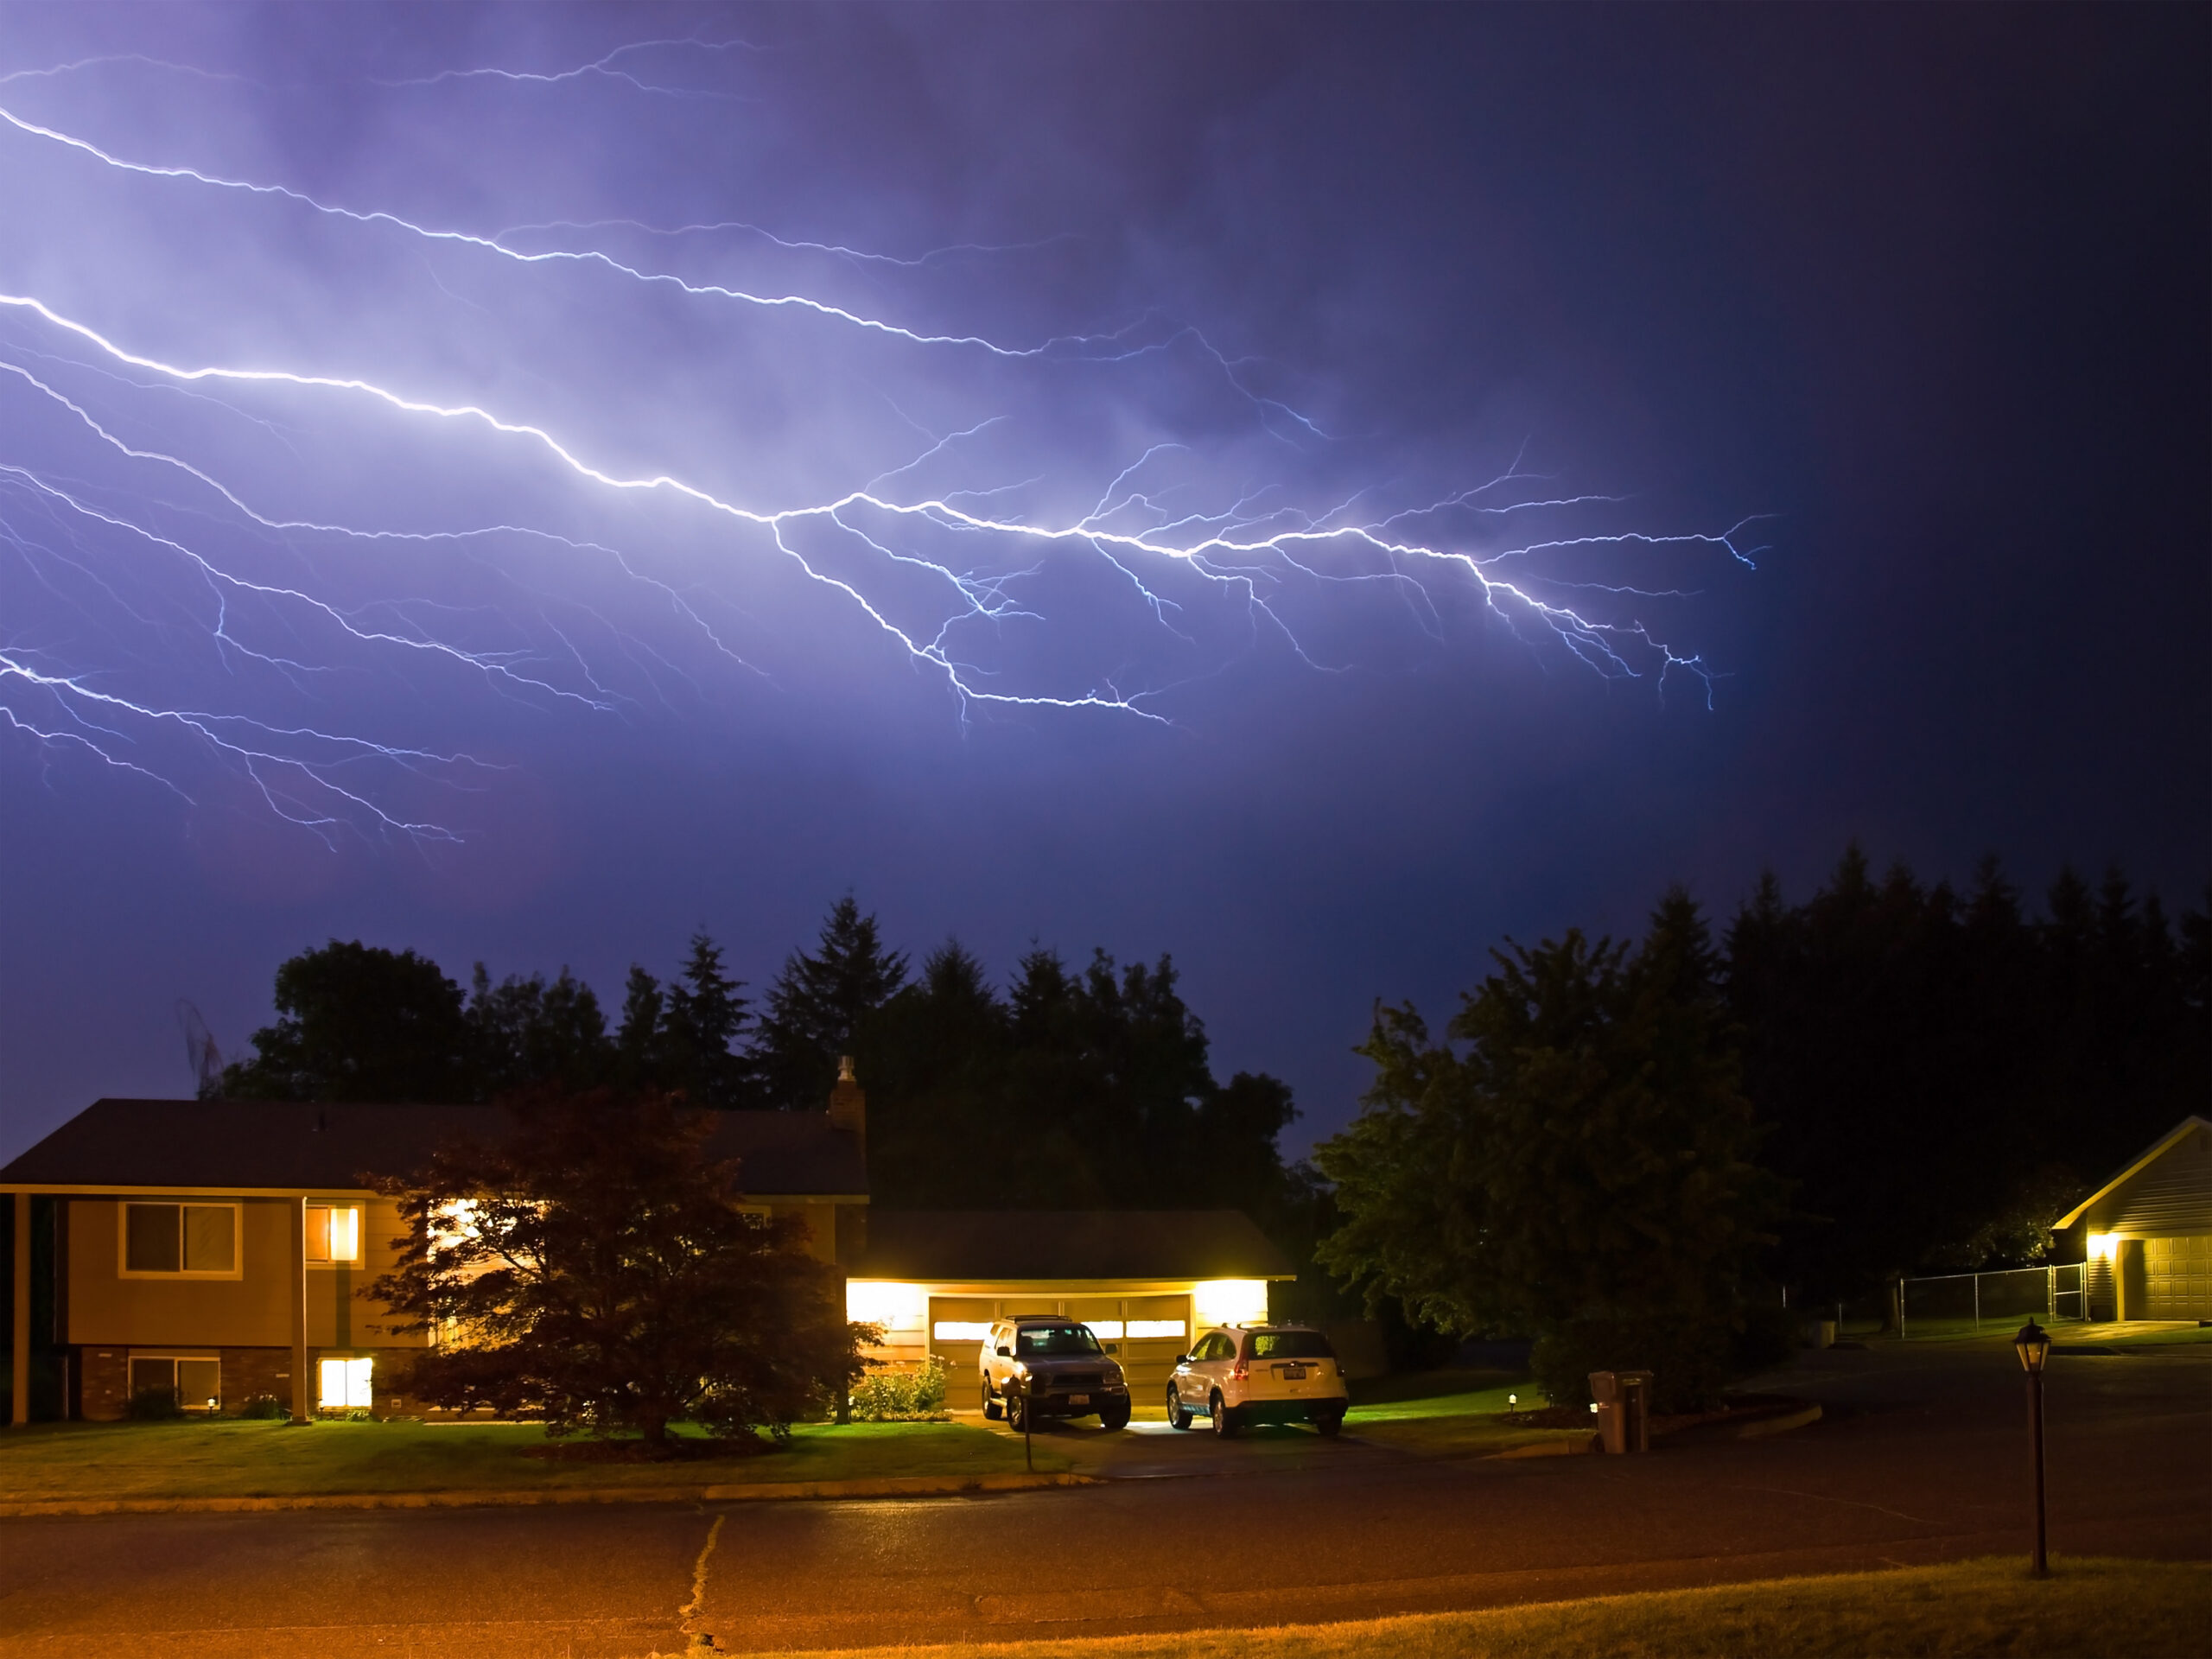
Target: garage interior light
[961,1330]
[1230,1302]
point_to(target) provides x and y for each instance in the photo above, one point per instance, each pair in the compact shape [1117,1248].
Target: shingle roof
[948,1246]
[293,1146]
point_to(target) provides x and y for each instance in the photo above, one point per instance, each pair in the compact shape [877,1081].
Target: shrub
[901,1396]
[156,1404]
[263,1407]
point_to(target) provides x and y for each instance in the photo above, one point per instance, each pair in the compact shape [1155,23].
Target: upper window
[334,1233]
[180,1240]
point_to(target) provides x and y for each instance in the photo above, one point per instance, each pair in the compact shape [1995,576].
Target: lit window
[180,1239]
[961,1330]
[345,1384]
[894,1306]
[1105,1330]
[334,1233]
[1146,1329]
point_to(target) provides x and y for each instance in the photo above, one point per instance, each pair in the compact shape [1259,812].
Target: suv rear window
[1055,1339]
[1291,1344]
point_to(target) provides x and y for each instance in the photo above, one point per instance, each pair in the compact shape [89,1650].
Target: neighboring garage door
[2178,1278]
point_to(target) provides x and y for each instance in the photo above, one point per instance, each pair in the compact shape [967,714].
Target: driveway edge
[758,1491]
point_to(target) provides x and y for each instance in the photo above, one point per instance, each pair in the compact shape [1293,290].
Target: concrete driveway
[1921,1456]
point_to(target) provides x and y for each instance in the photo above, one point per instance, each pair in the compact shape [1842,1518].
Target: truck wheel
[1017,1414]
[1115,1416]
[992,1409]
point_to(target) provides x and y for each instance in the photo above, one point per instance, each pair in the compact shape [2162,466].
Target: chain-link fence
[1967,1303]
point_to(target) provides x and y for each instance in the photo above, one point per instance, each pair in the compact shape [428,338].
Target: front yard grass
[1440,1413]
[226,1458]
[2088,1609]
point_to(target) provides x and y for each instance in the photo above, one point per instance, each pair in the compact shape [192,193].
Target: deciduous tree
[1579,1168]
[595,1267]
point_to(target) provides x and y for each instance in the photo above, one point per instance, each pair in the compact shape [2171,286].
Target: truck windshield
[1291,1344]
[1056,1340]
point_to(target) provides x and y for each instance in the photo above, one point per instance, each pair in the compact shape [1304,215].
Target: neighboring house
[216,1247]
[1143,1279]
[2147,1232]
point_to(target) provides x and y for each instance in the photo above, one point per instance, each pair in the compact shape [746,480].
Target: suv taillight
[1239,1372]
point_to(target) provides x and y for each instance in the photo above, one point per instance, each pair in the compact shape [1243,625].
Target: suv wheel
[1115,1416]
[1178,1414]
[1225,1421]
[1017,1412]
[992,1409]
[1330,1422]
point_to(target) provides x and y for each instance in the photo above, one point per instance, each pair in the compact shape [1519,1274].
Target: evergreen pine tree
[817,1006]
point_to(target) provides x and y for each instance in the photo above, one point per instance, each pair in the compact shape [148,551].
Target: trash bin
[1624,1401]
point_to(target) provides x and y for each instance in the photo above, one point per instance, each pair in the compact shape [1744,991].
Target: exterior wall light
[2033,1345]
[2103,1247]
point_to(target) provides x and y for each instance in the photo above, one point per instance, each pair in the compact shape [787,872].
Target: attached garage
[2146,1233]
[1144,1280]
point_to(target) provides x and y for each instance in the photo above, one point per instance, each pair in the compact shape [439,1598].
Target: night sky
[1323,490]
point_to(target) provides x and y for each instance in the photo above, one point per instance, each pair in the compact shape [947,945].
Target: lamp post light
[2034,1345]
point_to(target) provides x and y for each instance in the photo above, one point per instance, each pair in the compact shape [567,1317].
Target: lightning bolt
[179,554]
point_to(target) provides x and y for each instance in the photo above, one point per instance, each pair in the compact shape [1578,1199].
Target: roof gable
[2190,1180]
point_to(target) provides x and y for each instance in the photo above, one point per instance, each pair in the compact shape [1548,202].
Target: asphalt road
[1922,1457]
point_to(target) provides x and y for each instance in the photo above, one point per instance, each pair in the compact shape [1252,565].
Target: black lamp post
[2034,1345]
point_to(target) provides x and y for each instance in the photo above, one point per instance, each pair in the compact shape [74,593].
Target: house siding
[252,1310]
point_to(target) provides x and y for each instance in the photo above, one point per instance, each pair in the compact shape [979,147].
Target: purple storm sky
[1310,491]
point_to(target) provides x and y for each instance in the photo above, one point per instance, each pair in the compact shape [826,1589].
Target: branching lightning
[179,591]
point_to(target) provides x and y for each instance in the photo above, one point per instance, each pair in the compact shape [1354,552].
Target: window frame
[124,1270]
[361,1232]
[349,1360]
[133,1356]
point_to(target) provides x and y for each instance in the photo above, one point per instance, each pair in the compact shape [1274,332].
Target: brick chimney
[848,1105]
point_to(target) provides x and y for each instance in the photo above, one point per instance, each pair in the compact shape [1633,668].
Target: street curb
[1570,1448]
[1759,1429]
[758,1491]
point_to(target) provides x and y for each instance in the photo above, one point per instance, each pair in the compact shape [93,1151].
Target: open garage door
[2178,1278]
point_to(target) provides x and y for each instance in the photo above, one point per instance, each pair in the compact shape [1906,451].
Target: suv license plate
[1079,1399]
[1294,1373]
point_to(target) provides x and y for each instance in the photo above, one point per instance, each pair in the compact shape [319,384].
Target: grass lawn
[2086,1609]
[1440,1413]
[230,1458]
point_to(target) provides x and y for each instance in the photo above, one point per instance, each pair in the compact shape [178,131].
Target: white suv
[1260,1373]
[1051,1367]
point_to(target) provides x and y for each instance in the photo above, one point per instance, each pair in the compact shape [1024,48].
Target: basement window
[197,1381]
[345,1384]
[180,1241]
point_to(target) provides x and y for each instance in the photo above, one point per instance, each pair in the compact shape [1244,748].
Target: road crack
[700,1640]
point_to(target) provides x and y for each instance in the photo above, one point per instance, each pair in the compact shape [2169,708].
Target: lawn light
[2034,1345]
[1512,1400]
